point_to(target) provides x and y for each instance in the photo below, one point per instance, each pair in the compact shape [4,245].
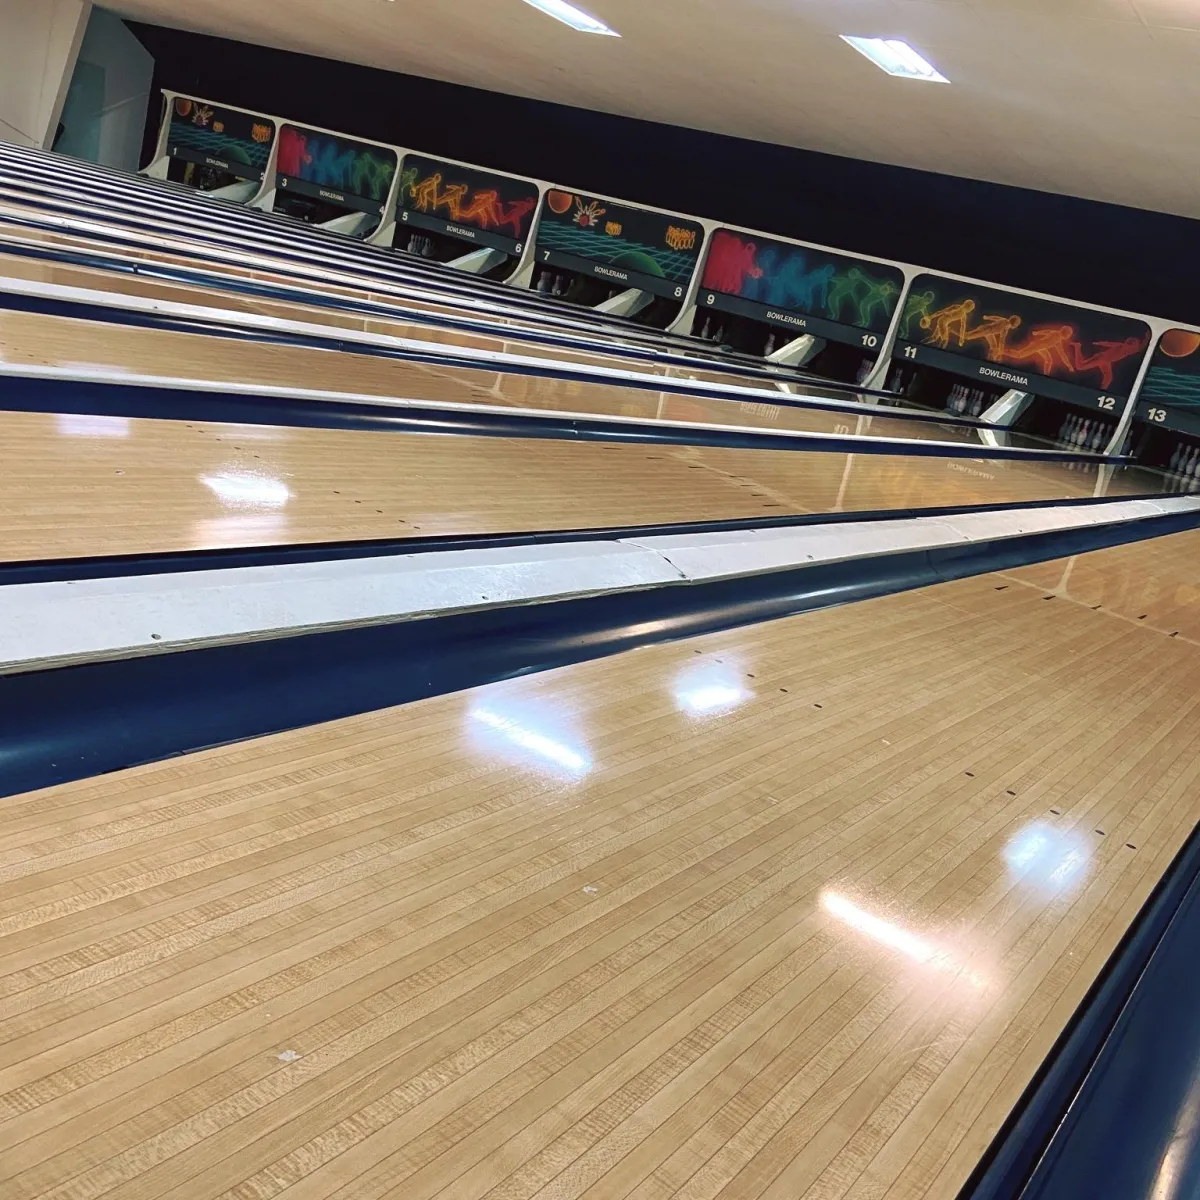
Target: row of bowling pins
[714,330]
[1086,434]
[421,245]
[553,283]
[1183,467]
[968,401]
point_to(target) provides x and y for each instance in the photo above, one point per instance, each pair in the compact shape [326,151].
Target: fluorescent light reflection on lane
[568,14]
[896,58]
[896,937]
[237,489]
[523,733]
[86,425]
[1047,858]
[709,689]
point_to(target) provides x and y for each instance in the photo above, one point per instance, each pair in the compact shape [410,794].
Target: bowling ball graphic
[183,107]
[558,201]
[635,260]
[1179,343]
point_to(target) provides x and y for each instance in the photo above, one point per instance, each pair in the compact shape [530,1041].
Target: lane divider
[79,720]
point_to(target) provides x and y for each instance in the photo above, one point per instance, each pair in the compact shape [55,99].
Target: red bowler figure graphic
[730,261]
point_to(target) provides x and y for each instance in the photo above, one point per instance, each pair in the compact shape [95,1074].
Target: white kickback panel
[49,624]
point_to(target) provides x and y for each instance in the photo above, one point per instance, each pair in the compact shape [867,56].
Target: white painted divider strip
[53,624]
[713,555]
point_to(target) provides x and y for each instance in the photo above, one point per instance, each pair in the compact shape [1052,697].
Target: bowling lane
[503,308]
[674,362]
[789,911]
[596,341]
[81,347]
[1155,584]
[86,485]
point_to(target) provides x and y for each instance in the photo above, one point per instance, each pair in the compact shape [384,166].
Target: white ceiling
[1095,98]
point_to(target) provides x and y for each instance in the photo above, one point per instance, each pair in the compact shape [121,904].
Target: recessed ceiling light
[895,57]
[568,14]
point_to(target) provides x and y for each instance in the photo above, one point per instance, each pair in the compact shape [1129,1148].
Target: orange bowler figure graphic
[994,330]
[949,322]
[1047,346]
[1106,357]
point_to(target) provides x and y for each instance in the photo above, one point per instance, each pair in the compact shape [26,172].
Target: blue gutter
[171,562]
[1115,1110]
[106,398]
[75,722]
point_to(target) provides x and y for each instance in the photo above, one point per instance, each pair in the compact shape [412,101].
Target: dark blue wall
[1106,254]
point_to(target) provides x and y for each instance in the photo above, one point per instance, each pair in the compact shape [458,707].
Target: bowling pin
[704,327]
[770,346]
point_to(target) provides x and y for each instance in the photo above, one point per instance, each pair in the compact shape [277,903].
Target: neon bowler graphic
[838,296]
[335,168]
[467,204]
[1058,341]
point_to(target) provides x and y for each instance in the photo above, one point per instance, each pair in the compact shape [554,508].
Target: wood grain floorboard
[75,486]
[789,911]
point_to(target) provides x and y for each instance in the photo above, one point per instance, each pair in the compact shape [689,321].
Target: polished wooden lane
[508,337]
[1155,583]
[793,911]
[82,347]
[84,485]
[507,311]
[119,284]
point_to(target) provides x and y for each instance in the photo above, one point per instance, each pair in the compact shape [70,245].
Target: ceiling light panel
[893,56]
[568,14]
